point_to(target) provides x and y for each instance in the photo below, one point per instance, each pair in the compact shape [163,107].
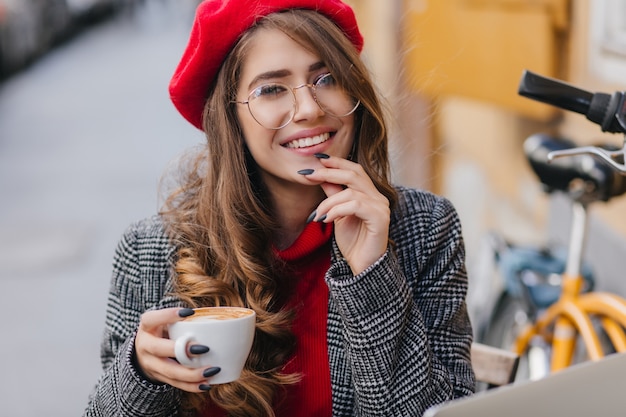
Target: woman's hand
[155,352]
[360,212]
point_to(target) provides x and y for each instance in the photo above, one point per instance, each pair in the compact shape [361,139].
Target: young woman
[359,286]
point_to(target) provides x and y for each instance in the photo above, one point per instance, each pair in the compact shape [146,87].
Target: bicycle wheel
[509,317]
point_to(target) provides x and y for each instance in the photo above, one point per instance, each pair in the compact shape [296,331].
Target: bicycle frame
[571,313]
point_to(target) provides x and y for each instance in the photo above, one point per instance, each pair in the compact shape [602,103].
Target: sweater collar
[314,236]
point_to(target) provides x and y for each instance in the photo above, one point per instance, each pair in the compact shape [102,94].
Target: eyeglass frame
[311,86]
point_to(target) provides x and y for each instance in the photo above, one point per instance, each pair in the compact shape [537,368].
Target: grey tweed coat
[398,333]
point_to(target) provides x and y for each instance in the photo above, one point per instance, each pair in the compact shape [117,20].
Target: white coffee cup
[227,331]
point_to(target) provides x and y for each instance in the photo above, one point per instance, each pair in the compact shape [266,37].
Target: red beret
[217,26]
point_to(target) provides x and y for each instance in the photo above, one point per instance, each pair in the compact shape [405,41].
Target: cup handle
[180,349]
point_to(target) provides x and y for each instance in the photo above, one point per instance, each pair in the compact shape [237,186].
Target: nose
[306,105]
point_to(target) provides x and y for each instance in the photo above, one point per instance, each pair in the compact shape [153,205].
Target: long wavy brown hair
[221,218]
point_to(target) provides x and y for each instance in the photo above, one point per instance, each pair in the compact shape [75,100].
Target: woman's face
[280,154]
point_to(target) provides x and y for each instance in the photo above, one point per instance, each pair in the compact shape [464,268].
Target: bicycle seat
[583,177]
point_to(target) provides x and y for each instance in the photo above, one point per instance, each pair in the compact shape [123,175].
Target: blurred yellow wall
[450,71]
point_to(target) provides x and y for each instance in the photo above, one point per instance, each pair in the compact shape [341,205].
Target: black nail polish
[198,349]
[204,387]
[321,156]
[311,216]
[209,372]
[322,218]
[306,171]
[185,312]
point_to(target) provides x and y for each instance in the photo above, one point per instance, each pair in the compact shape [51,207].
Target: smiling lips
[306,142]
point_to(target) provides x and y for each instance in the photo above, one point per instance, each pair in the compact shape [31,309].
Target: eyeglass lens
[273,106]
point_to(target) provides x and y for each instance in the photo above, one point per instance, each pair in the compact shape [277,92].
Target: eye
[269,91]
[326,80]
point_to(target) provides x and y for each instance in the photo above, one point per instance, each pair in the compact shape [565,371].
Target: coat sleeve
[404,324]
[140,272]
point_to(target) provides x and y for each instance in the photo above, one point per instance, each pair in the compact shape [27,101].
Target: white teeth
[305,142]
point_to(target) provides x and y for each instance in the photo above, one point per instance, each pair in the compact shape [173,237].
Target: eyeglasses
[274,105]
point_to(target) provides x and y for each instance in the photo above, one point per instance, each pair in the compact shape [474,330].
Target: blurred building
[451,71]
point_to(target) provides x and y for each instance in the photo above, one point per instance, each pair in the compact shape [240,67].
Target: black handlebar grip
[608,111]
[555,92]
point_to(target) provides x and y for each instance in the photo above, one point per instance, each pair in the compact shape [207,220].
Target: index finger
[342,173]
[154,319]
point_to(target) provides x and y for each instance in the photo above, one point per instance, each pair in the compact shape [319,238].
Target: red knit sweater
[309,257]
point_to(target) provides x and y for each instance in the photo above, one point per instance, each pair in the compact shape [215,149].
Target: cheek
[257,139]
[248,125]
[350,132]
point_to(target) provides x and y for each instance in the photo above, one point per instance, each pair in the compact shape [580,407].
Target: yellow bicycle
[569,318]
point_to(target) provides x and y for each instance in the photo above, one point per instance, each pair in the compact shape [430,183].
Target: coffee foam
[218,313]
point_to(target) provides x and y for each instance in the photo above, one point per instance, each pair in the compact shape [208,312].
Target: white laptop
[589,389]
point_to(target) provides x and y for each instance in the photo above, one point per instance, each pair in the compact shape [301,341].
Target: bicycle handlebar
[608,111]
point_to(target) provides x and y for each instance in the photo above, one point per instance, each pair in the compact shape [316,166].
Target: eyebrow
[282,73]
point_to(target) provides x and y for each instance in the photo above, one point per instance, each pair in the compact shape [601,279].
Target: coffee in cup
[227,331]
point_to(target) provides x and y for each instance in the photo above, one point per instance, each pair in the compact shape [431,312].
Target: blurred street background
[86,130]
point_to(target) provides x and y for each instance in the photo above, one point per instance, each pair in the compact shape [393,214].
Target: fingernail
[204,387]
[185,312]
[209,372]
[322,218]
[306,171]
[311,216]
[321,156]
[198,349]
